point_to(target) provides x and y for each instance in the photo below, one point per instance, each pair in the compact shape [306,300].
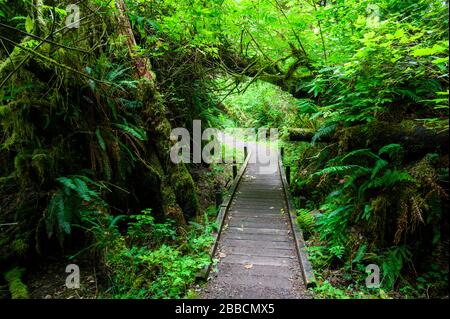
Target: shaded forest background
[358,88]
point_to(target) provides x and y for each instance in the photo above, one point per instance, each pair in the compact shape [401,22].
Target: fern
[393,262]
[100,139]
[77,184]
[391,178]
[307,106]
[135,131]
[130,104]
[351,179]
[393,150]
[339,170]
[65,205]
[325,130]
[360,152]
[379,166]
[305,221]
[409,94]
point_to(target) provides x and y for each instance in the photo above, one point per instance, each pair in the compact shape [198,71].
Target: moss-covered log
[416,139]
[301,134]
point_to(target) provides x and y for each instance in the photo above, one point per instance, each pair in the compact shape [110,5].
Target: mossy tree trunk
[179,197]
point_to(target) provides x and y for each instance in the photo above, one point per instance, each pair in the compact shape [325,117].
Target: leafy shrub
[153,261]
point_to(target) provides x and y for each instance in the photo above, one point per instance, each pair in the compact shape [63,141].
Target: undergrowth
[150,259]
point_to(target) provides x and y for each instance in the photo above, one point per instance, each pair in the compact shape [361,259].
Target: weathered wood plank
[235,242]
[257,251]
[261,237]
[259,260]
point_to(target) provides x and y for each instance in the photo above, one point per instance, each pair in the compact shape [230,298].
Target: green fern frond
[391,178]
[130,104]
[379,165]
[79,186]
[391,150]
[393,262]
[137,132]
[325,130]
[340,169]
[56,217]
[360,152]
[307,106]
[409,94]
[100,139]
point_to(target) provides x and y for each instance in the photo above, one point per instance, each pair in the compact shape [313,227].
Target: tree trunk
[178,191]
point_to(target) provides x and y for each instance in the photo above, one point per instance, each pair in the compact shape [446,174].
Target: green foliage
[144,228]
[154,261]
[367,193]
[84,141]
[260,104]
[393,262]
[17,288]
[305,221]
[66,204]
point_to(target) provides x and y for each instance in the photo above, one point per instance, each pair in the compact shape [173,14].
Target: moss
[19,246]
[185,191]
[17,288]
[178,187]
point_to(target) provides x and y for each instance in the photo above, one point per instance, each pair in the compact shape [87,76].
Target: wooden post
[288,174]
[234,165]
[245,152]
[223,154]
[218,199]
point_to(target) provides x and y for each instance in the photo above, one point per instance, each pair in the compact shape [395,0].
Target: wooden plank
[258,251]
[257,270]
[259,260]
[261,231]
[236,242]
[274,224]
[255,213]
[246,278]
[260,237]
[268,205]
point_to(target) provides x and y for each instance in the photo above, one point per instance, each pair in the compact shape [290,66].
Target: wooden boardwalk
[256,250]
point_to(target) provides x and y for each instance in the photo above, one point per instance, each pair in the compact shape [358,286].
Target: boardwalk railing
[306,268]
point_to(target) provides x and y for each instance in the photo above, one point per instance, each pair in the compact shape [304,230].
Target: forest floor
[46,280]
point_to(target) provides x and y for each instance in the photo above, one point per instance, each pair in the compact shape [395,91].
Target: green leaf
[29,24]
[100,139]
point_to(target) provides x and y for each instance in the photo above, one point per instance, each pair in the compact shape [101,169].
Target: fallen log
[301,134]
[415,139]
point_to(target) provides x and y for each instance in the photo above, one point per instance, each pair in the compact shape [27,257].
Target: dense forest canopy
[90,90]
